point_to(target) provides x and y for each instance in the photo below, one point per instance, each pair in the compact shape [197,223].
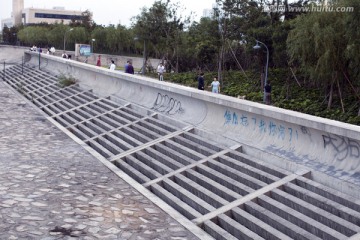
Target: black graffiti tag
[168,105]
[343,146]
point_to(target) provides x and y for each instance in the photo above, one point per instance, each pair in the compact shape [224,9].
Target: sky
[107,12]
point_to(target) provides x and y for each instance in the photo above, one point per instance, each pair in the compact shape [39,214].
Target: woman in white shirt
[112,66]
[215,85]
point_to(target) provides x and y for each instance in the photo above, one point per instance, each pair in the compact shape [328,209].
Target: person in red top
[98,63]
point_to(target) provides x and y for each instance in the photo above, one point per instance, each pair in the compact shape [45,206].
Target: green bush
[65,81]
[287,95]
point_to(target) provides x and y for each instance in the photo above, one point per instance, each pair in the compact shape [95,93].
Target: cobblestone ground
[51,188]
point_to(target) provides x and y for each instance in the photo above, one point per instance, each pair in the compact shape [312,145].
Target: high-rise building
[17,8]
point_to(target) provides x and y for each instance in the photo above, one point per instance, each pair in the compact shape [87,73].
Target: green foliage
[65,81]
[303,99]
[323,46]
[160,26]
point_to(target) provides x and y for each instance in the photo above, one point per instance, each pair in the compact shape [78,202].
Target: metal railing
[12,63]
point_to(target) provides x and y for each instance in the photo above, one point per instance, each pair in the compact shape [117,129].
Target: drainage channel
[226,193]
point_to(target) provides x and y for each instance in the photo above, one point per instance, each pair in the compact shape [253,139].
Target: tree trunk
[220,65]
[331,95]
[340,95]
[288,87]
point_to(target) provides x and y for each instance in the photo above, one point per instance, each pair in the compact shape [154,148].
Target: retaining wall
[327,146]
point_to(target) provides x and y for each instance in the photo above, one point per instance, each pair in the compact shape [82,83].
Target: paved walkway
[51,188]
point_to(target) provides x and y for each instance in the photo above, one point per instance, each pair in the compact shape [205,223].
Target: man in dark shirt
[130,68]
[201,82]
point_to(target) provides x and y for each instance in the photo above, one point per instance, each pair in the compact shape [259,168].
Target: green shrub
[65,81]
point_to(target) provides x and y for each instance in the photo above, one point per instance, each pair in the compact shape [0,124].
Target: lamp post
[16,38]
[92,44]
[257,46]
[65,36]
[144,56]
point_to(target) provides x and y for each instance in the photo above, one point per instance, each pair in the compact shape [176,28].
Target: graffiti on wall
[343,147]
[268,127]
[167,105]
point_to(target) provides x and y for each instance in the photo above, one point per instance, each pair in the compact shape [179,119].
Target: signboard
[85,50]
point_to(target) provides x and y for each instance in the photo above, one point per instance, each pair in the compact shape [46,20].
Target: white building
[36,15]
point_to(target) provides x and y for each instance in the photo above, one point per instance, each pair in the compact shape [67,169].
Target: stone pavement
[51,188]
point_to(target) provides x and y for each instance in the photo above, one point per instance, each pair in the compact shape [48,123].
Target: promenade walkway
[51,188]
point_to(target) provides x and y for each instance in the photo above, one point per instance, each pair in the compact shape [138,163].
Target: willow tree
[34,35]
[319,43]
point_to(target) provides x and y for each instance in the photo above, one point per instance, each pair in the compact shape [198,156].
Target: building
[36,15]
[20,15]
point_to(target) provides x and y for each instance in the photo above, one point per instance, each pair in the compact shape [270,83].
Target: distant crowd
[50,50]
[128,68]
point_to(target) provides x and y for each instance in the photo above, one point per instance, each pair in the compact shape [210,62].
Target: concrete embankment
[324,145]
[222,167]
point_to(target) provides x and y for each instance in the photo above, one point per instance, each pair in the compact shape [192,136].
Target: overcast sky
[107,12]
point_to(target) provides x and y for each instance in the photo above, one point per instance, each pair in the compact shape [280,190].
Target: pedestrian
[64,55]
[268,93]
[130,68]
[215,85]
[201,81]
[98,62]
[126,66]
[112,66]
[160,71]
[52,50]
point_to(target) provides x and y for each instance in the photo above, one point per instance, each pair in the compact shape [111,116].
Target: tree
[160,27]
[205,43]
[10,35]
[320,44]
[34,35]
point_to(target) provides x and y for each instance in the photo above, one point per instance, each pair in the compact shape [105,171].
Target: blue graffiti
[227,117]
[262,126]
[244,121]
[271,127]
[281,132]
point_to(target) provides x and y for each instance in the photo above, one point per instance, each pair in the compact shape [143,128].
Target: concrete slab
[50,186]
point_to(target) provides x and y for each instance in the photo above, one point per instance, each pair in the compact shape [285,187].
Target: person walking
[268,93]
[215,85]
[112,66]
[160,71]
[98,63]
[64,55]
[126,66]
[130,68]
[201,81]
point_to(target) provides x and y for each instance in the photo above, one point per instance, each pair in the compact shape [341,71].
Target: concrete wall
[330,147]
[10,53]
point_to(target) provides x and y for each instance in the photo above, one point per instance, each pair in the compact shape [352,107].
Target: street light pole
[267,62]
[65,36]
[92,44]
